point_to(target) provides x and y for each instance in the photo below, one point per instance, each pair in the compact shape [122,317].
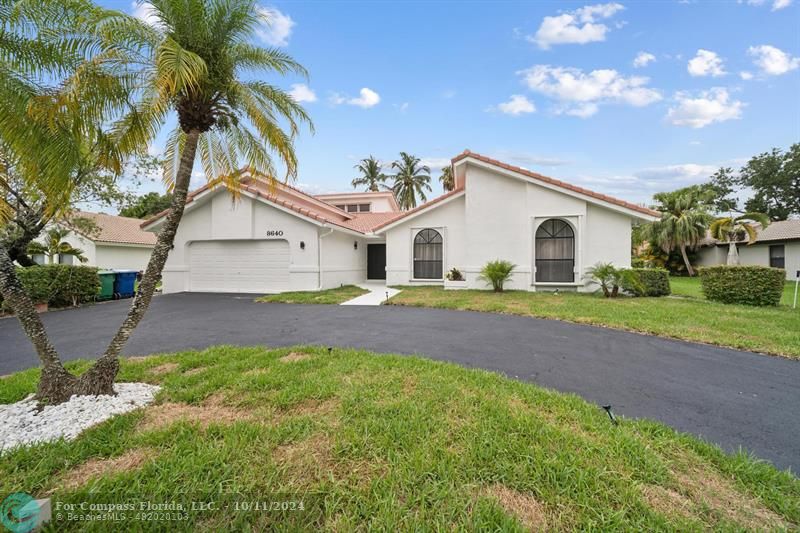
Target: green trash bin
[106,285]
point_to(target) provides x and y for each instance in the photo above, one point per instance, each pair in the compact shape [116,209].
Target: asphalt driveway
[736,399]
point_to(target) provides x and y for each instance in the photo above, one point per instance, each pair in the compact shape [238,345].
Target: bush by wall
[60,285]
[749,285]
[652,282]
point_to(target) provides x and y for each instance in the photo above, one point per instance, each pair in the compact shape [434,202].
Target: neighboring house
[116,243]
[277,238]
[777,245]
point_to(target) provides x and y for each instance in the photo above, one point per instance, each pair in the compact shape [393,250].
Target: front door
[376,261]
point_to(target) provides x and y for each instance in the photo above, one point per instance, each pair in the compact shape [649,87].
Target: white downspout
[319,256]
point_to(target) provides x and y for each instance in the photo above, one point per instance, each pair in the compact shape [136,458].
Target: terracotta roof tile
[115,229]
[558,183]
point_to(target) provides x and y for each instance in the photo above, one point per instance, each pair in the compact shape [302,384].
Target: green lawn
[391,443]
[330,296]
[774,330]
[682,286]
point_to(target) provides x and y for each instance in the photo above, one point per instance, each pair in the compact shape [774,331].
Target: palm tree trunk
[99,379]
[56,384]
[689,268]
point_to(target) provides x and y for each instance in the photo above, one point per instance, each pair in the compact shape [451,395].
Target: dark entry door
[376,261]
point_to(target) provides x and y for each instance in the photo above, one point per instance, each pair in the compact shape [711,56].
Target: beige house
[117,243]
[777,245]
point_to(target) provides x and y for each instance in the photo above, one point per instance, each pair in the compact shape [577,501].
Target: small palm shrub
[497,273]
[611,278]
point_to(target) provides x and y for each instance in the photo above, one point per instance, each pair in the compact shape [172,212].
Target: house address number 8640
[274,233]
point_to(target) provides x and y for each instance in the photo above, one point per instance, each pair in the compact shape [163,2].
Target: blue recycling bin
[124,283]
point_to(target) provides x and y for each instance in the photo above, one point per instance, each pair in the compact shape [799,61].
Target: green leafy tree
[146,205]
[411,180]
[447,179]
[372,175]
[684,221]
[497,273]
[774,178]
[732,229]
[196,62]
[54,246]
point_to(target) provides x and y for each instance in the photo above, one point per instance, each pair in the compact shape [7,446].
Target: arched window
[428,255]
[555,252]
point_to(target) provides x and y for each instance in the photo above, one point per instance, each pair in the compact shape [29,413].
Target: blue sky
[550,86]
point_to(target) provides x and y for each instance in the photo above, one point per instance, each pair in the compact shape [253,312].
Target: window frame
[573,227]
[415,231]
[782,257]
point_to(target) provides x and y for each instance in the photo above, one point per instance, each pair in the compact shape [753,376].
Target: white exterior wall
[123,257]
[448,220]
[712,255]
[219,218]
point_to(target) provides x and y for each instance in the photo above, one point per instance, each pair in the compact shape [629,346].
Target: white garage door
[239,266]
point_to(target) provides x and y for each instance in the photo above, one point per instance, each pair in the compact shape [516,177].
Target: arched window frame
[572,223]
[420,261]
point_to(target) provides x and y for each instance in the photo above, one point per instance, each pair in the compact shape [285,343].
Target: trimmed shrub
[652,282]
[748,285]
[60,285]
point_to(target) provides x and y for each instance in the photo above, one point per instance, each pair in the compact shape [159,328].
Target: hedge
[749,285]
[653,281]
[60,285]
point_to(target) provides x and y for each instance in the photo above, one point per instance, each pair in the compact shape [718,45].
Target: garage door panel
[239,266]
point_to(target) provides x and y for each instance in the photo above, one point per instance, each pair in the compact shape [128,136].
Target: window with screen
[555,252]
[428,254]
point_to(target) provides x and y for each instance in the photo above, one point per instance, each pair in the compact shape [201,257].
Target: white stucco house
[278,238]
[116,242]
[777,245]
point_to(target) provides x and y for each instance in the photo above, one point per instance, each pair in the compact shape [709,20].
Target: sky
[626,98]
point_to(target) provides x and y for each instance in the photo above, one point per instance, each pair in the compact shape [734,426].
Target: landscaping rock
[23,425]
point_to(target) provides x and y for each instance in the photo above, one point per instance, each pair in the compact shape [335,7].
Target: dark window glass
[428,255]
[777,259]
[341,206]
[352,208]
[363,208]
[555,252]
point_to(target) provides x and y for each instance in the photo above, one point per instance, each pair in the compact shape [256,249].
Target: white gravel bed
[21,424]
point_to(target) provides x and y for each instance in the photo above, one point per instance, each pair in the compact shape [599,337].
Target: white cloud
[524,158]
[687,172]
[581,93]
[706,63]
[368,98]
[276,28]
[780,4]
[746,75]
[145,12]
[401,107]
[772,61]
[517,105]
[434,163]
[302,93]
[575,27]
[643,59]
[710,106]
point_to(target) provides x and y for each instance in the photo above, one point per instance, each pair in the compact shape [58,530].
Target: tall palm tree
[411,180]
[731,229]
[371,174]
[447,179]
[683,223]
[189,63]
[55,246]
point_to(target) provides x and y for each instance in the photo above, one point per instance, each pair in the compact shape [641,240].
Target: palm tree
[55,246]
[731,229]
[448,182]
[683,223]
[410,180]
[371,174]
[189,63]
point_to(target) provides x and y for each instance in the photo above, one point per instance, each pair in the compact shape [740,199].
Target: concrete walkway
[378,293]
